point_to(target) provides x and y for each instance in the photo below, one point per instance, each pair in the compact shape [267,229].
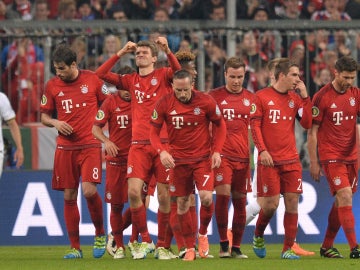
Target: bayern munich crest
[337,180]
[291,104]
[246,102]
[108,195]
[197,111]
[154,81]
[84,89]
[219,177]
[352,101]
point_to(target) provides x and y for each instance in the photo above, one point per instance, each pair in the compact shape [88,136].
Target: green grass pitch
[50,257]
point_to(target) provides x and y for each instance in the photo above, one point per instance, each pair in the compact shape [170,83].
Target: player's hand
[64,128]
[128,48]
[315,170]
[215,160]
[19,157]
[266,159]
[111,148]
[301,88]
[167,160]
[163,44]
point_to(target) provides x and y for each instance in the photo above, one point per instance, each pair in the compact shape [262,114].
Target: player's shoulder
[323,92]
[217,91]
[3,96]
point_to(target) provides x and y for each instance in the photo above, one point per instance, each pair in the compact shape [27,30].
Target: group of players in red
[165,133]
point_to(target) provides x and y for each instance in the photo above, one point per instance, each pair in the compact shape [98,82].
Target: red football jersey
[116,112]
[76,103]
[272,123]
[145,92]
[187,124]
[236,112]
[336,115]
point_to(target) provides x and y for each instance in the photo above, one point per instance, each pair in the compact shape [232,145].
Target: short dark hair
[182,74]
[346,63]
[146,43]
[283,66]
[63,53]
[234,62]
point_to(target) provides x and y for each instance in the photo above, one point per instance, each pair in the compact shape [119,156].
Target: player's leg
[239,188]
[204,180]
[66,177]
[223,176]
[266,176]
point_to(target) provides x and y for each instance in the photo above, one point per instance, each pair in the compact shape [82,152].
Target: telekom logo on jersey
[67,105]
[337,117]
[122,120]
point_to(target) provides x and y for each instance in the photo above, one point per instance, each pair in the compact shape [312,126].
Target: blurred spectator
[246,8]
[309,7]
[138,9]
[208,80]
[41,10]
[351,7]
[331,12]
[53,6]
[257,78]
[86,12]
[191,10]
[117,13]
[171,6]
[290,11]
[172,35]
[102,7]
[23,78]
[216,11]
[7,13]
[215,58]
[22,9]
[250,51]
[322,77]
[185,45]
[111,45]
[267,39]
[79,46]
[67,10]
[297,55]
[342,43]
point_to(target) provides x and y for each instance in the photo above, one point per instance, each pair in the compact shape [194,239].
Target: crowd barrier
[31,213]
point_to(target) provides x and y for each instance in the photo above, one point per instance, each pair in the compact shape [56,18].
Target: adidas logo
[333,106]
[271,102]
[173,112]
[117,109]
[137,85]
[61,94]
[224,102]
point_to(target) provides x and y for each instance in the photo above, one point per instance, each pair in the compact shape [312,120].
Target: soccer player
[333,137]
[116,111]
[7,113]
[253,207]
[145,87]
[272,122]
[232,178]
[75,94]
[187,114]
[187,61]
